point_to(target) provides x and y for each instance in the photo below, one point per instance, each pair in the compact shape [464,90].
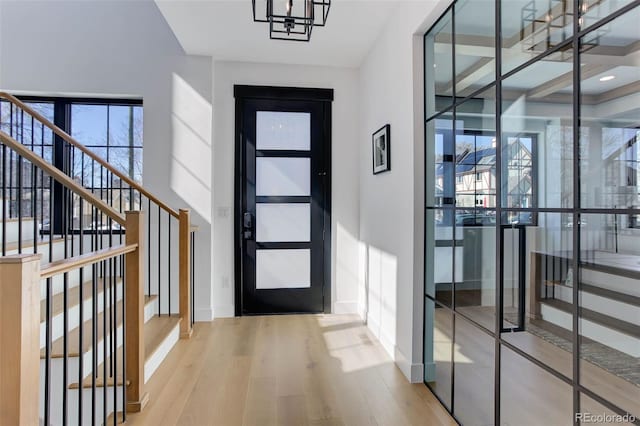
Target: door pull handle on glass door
[247,224]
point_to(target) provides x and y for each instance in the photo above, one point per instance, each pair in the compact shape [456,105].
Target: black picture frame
[381,149]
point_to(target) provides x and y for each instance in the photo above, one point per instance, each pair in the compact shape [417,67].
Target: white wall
[391,204]
[124,49]
[345,162]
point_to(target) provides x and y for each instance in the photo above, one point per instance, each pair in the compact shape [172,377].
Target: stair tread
[15,219]
[597,317]
[155,331]
[73,298]
[73,336]
[610,294]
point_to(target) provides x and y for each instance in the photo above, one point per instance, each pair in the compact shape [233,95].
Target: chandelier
[542,30]
[291,19]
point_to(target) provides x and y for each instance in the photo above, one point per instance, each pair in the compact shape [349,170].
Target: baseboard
[350,307]
[203,315]
[224,311]
[387,343]
[413,372]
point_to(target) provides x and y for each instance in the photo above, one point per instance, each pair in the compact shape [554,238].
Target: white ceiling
[225,30]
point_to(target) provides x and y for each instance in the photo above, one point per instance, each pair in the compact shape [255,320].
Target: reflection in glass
[594,412]
[474,356]
[520,380]
[609,296]
[537,142]
[609,118]
[542,25]
[537,270]
[475,290]
[438,335]
[475,182]
[439,261]
[440,157]
[475,46]
[439,72]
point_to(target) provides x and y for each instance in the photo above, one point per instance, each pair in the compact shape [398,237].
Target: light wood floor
[285,370]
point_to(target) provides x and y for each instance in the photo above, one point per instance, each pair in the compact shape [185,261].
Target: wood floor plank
[285,370]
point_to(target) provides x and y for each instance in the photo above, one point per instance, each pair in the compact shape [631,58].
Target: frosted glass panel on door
[283,222]
[283,130]
[283,176]
[290,268]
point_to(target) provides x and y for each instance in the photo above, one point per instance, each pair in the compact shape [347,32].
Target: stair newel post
[137,398]
[185,273]
[20,339]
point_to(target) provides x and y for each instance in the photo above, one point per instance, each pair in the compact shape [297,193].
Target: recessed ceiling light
[607,77]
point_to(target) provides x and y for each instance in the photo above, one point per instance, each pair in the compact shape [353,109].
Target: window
[478,177]
[459,178]
[112,129]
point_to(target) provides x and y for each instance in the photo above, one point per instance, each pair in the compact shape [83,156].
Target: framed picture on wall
[381,141]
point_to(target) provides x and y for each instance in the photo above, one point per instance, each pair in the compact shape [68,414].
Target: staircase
[94,292]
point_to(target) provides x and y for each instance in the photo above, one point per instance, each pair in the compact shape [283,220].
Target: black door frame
[241,94]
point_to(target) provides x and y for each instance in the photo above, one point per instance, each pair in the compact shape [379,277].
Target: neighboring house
[475,179]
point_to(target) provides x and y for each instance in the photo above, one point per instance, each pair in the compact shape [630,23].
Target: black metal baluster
[120,227]
[149,250]
[19,201]
[19,183]
[11,186]
[81,327]
[124,344]
[94,339]
[65,344]
[193,278]
[114,352]
[42,186]
[11,133]
[34,193]
[159,257]
[104,342]
[50,219]
[108,278]
[168,260]
[47,355]
[72,195]
[4,200]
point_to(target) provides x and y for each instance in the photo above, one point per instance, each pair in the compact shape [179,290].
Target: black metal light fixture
[291,19]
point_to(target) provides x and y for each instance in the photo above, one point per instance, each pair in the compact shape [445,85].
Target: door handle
[247,225]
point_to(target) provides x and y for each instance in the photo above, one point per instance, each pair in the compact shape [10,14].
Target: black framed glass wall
[532,209]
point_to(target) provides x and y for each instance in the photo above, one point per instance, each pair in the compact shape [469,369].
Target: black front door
[283,182]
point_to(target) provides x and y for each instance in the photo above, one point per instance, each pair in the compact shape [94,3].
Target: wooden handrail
[66,265]
[64,135]
[61,177]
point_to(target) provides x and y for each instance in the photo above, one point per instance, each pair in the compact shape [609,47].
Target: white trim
[224,312]
[155,360]
[413,372]
[203,315]
[345,307]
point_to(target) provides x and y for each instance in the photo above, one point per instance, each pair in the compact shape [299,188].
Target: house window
[459,179]
[110,128]
[478,176]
